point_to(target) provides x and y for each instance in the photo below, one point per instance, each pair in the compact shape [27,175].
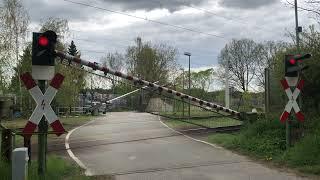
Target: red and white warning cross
[292,103]
[43,107]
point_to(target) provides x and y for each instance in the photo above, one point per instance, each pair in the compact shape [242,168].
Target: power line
[124,43]
[206,53]
[211,13]
[227,18]
[107,39]
[146,19]
[98,52]
[95,42]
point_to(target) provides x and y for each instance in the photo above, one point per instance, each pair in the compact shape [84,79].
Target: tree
[14,21]
[58,25]
[74,76]
[116,62]
[24,65]
[202,79]
[72,50]
[151,62]
[267,59]
[240,57]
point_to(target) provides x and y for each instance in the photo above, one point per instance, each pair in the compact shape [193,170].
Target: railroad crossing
[131,145]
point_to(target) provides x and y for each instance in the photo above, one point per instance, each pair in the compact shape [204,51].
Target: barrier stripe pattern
[292,103]
[43,107]
[105,70]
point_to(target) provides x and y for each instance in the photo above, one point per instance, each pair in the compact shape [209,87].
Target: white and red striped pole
[105,70]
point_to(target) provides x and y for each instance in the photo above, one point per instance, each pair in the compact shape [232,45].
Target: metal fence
[64,111]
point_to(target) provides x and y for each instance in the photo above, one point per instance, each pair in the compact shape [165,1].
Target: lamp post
[182,91]
[189,54]
[227,93]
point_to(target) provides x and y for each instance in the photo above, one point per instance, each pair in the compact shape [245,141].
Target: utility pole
[298,29]
[91,91]
[267,91]
[227,93]
[189,54]
[182,91]
[189,88]
[42,137]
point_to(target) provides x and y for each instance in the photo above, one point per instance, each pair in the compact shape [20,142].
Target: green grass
[265,140]
[305,155]
[68,122]
[209,122]
[225,140]
[57,168]
[192,113]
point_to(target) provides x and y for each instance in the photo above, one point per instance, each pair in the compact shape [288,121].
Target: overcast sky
[216,22]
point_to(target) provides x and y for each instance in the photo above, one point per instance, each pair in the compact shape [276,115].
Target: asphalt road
[138,146]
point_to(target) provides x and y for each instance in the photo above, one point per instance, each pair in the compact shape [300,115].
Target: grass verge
[265,140]
[57,168]
[68,122]
[209,122]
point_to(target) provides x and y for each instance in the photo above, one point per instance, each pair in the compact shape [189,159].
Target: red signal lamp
[292,61]
[43,41]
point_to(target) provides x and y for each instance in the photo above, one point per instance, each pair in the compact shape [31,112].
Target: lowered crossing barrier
[95,66]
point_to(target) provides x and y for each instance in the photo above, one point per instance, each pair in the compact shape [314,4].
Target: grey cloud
[246,4]
[171,5]
[204,48]
[39,10]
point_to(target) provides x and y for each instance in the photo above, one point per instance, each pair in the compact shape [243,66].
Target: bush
[5,170]
[264,138]
[57,168]
[305,152]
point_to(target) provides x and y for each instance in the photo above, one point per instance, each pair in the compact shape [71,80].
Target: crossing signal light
[292,61]
[43,48]
[43,41]
[292,64]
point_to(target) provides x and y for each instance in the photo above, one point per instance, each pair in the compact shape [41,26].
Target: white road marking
[67,145]
[198,140]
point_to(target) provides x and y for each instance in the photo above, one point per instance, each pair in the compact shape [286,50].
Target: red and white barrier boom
[96,66]
[292,103]
[43,107]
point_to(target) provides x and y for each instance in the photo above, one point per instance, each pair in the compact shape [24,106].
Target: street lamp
[182,90]
[189,54]
[227,93]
